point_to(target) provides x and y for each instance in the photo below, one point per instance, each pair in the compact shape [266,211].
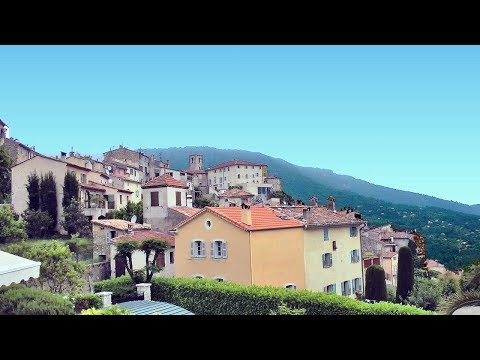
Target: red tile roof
[188,171]
[142,235]
[233,163]
[432,263]
[263,218]
[92,187]
[120,224]
[319,216]
[235,193]
[389,254]
[164,181]
[187,211]
[112,187]
[78,167]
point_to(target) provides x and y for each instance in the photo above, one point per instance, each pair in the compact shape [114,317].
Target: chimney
[331,204]
[130,228]
[306,214]
[144,289]
[246,214]
[63,155]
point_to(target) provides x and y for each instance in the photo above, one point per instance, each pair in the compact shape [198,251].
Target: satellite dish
[133,219]
[110,181]
[109,168]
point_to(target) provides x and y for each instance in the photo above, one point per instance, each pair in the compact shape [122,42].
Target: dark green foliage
[450,285]
[391,293]
[75,221]
[458,300]
[48,197]
[413,247]
[86,301]
[405,273]
[125,250]
[375,285]
[127,212]
[121,287]
[154,247]
[5,174]
[470,280]
[440,226]
[426,294]
[11,230]
[285,310]
[33,188]
[111,310]
[37,223]
[209,297]
[20,300]
[70,189]
[283,196]
[202,202]
[81,248]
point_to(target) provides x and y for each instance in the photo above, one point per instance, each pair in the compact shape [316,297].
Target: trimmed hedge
[209,297]
[86,301]
[20,300]
[122,287]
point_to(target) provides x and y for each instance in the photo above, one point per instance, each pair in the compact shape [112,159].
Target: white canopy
[14,269]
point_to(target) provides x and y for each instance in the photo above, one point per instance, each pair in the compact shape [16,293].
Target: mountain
[444,229]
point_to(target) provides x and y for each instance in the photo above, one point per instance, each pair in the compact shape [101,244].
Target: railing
[94,205]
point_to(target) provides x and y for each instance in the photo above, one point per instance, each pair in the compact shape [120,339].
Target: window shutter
[349,287]
[224,249]
[325,289]
[334,288]
[192,250]
[324,260]
[351,231]
[351,256]
[343,289]
[331,259]
[360,284]
[212,249]
[202,249]
[107,236]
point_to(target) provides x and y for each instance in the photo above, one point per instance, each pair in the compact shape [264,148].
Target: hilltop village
[227,222]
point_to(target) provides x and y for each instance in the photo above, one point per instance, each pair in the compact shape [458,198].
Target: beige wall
[277,257]
[231,174]
[232,199]
[318,277]
[390,265]
[235,268]
[42,166]
[155,215]
[138,260]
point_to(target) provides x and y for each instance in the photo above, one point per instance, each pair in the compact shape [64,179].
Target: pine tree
[70,189]
[5,173]
[48,197]
[375,285]
[33,188]
[405,273]
[75,221]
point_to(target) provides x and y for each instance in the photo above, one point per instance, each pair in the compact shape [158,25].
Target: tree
[127,212]
[283,196]
[155,247]
[11,230]
[125,250]
[48,197]
[405,273]
[58,272]
[70,189]
[375,285]
[33,188]
[75,221]
[425,294]
[203,202]
[5,174]
[38,223]
[470,280]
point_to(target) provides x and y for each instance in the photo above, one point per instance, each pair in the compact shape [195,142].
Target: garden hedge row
[209,297]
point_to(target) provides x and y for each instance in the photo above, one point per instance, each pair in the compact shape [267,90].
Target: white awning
[14,269]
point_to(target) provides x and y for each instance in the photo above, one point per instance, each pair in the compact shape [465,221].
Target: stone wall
[96,272]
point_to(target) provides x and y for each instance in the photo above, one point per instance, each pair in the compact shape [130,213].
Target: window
[154,198]
[199,160]
[193,160]
[197,249]
[355,256]
[246,176]
[347,288]
[332,288]
[228,169]
[257,174]
[253,167]
[218,249]
[221,180]
[327,260]
[131,171]
[172,257]
[120,199]
[238,166]
[209,181]
[208,224]
[215,171]
[83,178]
[325,234]
[238,176]
[215,180]
[127,198]
[334,245]
[290,286]
[353,231]
[178,196]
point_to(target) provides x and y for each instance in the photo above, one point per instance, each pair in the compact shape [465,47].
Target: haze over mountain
[453,237]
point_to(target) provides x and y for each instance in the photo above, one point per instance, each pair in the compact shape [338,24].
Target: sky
[405,117]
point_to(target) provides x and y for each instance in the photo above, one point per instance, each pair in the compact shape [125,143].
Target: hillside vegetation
[444,229]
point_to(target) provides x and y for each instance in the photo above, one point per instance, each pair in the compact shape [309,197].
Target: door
[119,266]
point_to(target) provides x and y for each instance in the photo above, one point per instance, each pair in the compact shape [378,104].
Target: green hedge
[20,300]
[121,287]
[209,297]
[86,301]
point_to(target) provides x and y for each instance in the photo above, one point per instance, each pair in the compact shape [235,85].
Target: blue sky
[399,116]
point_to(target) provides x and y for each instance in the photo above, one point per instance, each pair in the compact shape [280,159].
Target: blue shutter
[360,285]
[202,249]
[192,251]
[212,249]
[224,249]
[325,289]
[325,234]
[334,288]
[351,256]
[343,289]
[349,287]
[331,259]
[351,231]
[324,260]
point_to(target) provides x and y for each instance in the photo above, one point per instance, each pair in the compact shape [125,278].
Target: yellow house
[246,245]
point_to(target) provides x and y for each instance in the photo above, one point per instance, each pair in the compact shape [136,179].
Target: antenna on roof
[133,219]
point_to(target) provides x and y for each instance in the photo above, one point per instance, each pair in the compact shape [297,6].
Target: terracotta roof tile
[78,167]
[319,216]
[432,263]
[164,181]
[112,187]
[235,193]
[389,254]
[120,224]
[233,163]
[187,211]
[93,187]
[263,218]
[141,235]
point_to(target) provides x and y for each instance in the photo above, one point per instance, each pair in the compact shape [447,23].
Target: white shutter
[224,249]
[107,236]
[202,248]
[192,248]
[212,249]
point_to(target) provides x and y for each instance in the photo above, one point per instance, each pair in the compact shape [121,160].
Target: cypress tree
[70,189]
[5,173]
[405,273]
[48,197]
[375,285]
[33,188]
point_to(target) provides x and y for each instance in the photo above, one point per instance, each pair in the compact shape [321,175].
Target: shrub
[375,285]
[11,230]
[86,301]
[458,300]
[405,273]
[20,300]
[391,293]
[285,310]
[122,287]
[426,294]
[450,285]
[111,310]
[38,223]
